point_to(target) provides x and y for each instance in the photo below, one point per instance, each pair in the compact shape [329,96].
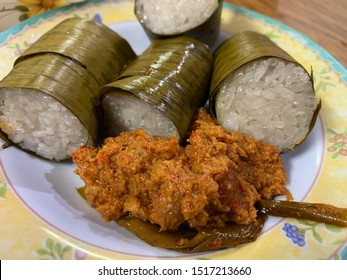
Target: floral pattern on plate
[19,10]
[26,235]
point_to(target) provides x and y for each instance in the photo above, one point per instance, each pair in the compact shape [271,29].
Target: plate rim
[303,39]
[311,44]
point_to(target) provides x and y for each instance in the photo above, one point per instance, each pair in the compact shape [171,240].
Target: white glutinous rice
[124,112]
[270,99]
[169,17]
[39,123]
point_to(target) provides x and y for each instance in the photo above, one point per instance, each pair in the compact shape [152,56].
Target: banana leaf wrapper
[243,48]
[172,75]
[62,79]
[97,48]
[207,32]
[190,240]
[317,212]
[231,235]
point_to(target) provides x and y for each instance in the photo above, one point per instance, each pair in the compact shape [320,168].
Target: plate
[12,12]
[43,217]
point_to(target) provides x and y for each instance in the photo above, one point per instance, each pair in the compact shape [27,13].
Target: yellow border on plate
[24,236]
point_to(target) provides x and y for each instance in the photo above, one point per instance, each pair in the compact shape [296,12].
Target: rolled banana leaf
[160,90]
[231,235]
[93,45]
[258,89]
[190,241]
[318,212]
[167,18]
[50,97]
[49,106]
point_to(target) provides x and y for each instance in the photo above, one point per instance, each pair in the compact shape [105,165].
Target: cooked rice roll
[259,89]
[48,101]
[89,43]
[160,90]
[199,19]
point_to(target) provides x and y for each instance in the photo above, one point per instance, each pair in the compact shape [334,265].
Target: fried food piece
[215,179]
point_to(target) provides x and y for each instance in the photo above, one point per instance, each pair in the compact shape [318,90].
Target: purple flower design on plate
[98,18]
[293,233]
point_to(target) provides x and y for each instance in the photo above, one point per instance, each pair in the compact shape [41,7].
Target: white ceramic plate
[58,223]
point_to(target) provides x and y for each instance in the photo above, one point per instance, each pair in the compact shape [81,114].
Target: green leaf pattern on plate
[54,250]
[298,233]
[273,34]
[323,80]
[19,48]
[3,190]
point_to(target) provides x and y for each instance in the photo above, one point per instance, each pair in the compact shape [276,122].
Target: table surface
[325,22]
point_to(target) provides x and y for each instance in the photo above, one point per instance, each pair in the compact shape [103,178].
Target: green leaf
[66,249]
[42,252]
[21,8]
[318,86]
[335,155]
[272,35]
[324,71]
[331,131]
[338,145]
[306,222]
[49,244]
[23,17]
[3,190]
[333,228]
[339,242]
[57,248]
[317,237]
[330,84]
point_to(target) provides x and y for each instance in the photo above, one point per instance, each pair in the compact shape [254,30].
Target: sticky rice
[198,19]
[49,99]
[259,89]
[119,116]
[270,99]
[160,90]
[40,124]
[172,17]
